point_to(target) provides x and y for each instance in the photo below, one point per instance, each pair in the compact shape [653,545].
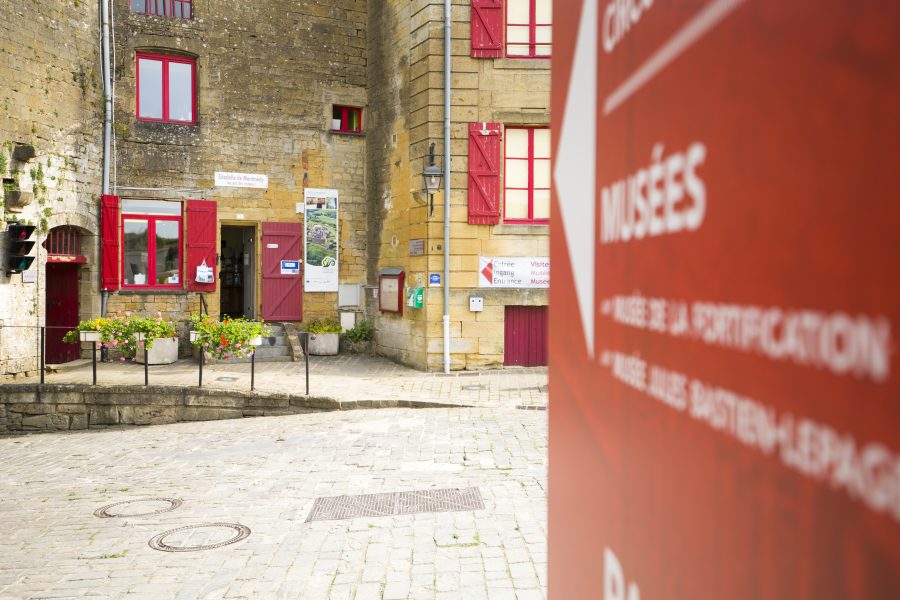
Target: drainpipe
[447,22]
[107,133]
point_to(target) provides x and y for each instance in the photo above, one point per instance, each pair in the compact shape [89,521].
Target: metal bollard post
[146,362]
[42,355]
[94,360]
[306,356]
[200,383]
[252,369]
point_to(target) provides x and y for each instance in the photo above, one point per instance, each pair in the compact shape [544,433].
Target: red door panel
[282,297]
[525,339]
[62,311]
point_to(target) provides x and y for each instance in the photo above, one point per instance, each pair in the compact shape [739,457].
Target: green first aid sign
[415,297]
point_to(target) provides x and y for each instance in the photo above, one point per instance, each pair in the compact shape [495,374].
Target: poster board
[723,317]
[321,240]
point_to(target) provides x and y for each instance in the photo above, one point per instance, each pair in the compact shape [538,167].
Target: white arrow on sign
[576,162]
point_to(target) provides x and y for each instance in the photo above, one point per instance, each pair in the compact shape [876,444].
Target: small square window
[346,119]
[181,9]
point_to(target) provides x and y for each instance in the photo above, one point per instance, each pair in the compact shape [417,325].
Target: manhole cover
[395,503]
[192,538]
[226,378]
[138,508]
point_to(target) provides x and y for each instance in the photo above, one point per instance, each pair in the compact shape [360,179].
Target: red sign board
[724,375]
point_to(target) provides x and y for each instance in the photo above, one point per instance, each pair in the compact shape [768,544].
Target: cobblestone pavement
[265,473]
[342,377]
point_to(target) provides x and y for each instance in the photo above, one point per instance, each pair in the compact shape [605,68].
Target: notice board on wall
[724,376]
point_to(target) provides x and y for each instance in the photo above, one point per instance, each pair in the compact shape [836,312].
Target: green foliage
[324,325]
[227,338]
[118,332]
[3,162]
[364,331]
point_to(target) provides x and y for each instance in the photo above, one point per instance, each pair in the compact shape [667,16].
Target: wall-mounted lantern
[432,175]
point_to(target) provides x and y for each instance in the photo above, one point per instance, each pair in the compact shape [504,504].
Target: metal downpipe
[447,23]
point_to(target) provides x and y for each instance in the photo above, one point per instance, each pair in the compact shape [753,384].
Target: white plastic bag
[204,273]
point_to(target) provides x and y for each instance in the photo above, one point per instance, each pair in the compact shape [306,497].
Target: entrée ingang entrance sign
[724,240]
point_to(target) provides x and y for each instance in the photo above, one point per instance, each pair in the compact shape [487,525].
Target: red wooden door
[525,339]
[282,297]
[61,311]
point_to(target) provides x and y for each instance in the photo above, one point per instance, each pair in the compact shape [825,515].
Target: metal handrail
[43,346]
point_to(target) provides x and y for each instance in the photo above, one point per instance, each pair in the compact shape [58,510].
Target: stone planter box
[323,344]
[89,336]
[163,352]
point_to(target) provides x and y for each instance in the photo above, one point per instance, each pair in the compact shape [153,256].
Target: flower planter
[89,336]
[163,352]
[323,344]
[257,341]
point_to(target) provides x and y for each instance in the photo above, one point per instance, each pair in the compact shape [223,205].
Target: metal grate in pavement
[395,503]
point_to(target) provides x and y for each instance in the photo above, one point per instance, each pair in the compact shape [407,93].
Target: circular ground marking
[207,536]
[141,507]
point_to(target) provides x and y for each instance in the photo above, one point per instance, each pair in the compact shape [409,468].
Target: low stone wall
[29,407]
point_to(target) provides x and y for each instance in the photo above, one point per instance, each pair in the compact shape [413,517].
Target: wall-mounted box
[390,290]
[476,303]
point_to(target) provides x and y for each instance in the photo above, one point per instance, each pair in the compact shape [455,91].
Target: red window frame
[531,160]
[345,120]
[166,8]
[533,25]
[151,252]
[166,60]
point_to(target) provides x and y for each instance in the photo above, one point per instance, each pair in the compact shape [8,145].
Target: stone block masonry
[50,100]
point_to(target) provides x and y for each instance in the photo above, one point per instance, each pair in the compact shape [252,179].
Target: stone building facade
[226,114]
[500,89]
[50,155]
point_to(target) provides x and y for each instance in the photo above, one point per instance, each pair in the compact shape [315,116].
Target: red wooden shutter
[487,28]
[201,242]
[109,242]
[484,173]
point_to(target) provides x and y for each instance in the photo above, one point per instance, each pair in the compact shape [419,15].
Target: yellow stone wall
[508,91]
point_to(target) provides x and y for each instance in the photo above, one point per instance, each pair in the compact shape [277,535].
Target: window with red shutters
[202,227]
[526,175]
[109,229]
[487,28]
[151,244]
[529,28]
[484,173]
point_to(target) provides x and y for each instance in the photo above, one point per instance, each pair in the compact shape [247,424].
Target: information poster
[514,271]
[725,395]
[321,240]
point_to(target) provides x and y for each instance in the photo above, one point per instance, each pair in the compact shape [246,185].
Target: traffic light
[17,259]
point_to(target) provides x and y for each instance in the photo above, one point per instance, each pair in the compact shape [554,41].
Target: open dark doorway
[238,274]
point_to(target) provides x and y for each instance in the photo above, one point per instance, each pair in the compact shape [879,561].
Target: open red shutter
[487,28]
[109,242]
[484,173]
[201,242]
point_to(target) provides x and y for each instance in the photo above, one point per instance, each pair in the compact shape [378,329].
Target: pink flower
[127,313]
[158,314]
[115,343]
[121,359]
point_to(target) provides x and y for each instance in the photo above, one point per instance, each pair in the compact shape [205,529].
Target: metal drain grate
[531,406]
[141,507]
[211,535]
[395,503]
